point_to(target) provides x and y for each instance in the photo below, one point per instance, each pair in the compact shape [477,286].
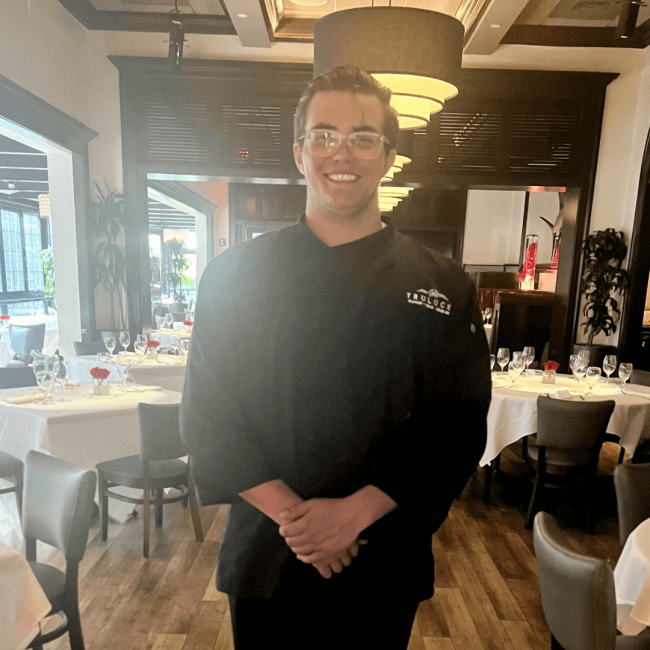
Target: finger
[304,549]
[353,549]
[336,566]
[293,529]
[345,558]
[295,512]
[324,570]
[361,542]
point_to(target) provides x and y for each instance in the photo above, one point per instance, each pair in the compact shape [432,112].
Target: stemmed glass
[492,360]
[529,355]
[169,319]
[44,379]
[592,377]
[140,345]
[516,367]
[185,347]
[503,356]
[110,344]
[175,342]
[580,369]
[125,339]
[609,366]
[159,321]
[123,370]
[62,377]
[624,372]
[573,364]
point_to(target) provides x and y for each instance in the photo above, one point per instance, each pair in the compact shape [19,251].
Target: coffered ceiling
[488,23]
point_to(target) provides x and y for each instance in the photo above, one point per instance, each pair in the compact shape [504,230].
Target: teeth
[342,177]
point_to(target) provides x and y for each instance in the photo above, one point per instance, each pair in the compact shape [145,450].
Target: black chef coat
[332,369]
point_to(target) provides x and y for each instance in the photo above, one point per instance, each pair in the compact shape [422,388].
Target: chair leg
[621,456]
[497,463]
[524,448]
[19,494]
[196,517]
[487,476]
[158,507]
[146,522]
[74,628]
[533,507]
[103,507]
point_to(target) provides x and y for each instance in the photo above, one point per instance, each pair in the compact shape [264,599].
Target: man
[336,396]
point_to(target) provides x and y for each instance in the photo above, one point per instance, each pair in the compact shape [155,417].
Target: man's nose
[344,152]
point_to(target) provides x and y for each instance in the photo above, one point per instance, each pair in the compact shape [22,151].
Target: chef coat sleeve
[225,457]
[444,433]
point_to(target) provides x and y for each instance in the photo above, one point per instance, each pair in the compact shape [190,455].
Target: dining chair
[578,594]
[85,348]
[632,485]
[23,339]
[178,316]
[567,445]
[57,510]
[17,376]
[12,468]
[158,466]
[642,451]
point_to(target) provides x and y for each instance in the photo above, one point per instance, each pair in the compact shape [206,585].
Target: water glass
[125,339]
[185,347]
[515,368]
[159,321]
[492,360]
[529,354]
[175,343]
[123,370]
[44,379]
[140,344]
[573,364]
[624,372]
[110,344]
[592,377]
[61,378]
[580,369]
[503,356]
[169,319]
[609,365]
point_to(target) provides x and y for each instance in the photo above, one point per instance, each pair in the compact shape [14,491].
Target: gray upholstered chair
[17,376]
[567,444]
[57,510]
[83,348]
[632,483]
[12,468]
[24,339]
[642,451]
[578,595]
[157,467]
[178,316]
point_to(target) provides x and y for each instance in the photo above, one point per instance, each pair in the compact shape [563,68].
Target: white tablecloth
[51,329]
[85,431]
[22,601]
[513,413]
[167,372]
[632,580]
[166,335]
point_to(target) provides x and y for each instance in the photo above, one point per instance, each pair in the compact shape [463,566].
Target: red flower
[153,344]
[551,365]
[99,373]
[5,317]
[188,322]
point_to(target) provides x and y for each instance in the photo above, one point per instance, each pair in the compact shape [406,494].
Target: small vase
[548,377]
[100,388]
[152,353]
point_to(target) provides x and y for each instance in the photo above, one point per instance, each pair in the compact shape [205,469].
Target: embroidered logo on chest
[431,299]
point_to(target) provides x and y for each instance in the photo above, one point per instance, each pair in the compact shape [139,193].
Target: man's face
[342,186]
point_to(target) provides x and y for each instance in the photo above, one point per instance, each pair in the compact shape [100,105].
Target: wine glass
[44,379]
[159,321]
[61,378]
[169,319]
[503,356]
[110,343]
[624,372]
[609,365]
[515,368]
[580,369]
[573,362]
[175,343]
[123,370]
[492,360]
[185,347]
[140,345]
[529,354]
[591,377]
[125,339]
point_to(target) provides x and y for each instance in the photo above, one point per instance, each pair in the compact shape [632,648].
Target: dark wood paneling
[563,36]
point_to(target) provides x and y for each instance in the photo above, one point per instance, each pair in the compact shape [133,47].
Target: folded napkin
[562,393]
[636,392]
[24,399]
[141,389]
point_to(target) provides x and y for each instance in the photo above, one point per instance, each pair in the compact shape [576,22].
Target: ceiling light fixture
[415,52]
[176,37]
[44,207]
[627,18]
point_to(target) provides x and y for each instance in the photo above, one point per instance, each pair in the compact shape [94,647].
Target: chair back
[641,377]
[632,484]
[17,376]
[178,316]
[83,348]
[160,436]
[579,426]
[25,338]
[58,503]
[578,594]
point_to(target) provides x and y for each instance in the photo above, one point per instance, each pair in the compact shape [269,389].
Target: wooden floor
[486,587]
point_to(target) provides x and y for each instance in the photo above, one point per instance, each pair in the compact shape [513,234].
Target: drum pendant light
[414,52]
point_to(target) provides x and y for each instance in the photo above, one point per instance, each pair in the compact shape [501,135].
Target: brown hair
[348,78]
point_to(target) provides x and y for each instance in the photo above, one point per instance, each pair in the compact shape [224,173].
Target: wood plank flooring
[487,595]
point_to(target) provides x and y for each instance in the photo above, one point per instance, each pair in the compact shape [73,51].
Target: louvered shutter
[250,136]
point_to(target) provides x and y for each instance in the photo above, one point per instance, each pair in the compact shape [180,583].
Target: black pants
[323,621]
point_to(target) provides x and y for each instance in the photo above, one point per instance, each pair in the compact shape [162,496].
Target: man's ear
[390,160]
[297,156]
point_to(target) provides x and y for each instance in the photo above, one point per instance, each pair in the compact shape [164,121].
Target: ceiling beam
[492,25]
[561,36]
[251,22]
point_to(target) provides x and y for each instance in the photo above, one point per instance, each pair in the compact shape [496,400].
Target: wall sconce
[44,207]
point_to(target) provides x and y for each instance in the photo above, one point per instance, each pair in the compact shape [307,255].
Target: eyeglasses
[364,145]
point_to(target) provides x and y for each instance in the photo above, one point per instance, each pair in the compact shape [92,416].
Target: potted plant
[47,266]
[602,278]
[175,272]
[108,257]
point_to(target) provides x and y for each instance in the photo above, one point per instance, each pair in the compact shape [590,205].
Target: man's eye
[365,139]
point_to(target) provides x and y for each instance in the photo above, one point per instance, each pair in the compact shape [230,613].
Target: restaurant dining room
[258,313]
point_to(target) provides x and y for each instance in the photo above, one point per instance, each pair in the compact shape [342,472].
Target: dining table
[632,582]
[23,603]
[51,329]
[85,429]
[178,330]
[165,370]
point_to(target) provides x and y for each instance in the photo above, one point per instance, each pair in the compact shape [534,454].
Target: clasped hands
[323,532]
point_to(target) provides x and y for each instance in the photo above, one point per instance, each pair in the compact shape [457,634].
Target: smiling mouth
[341,178]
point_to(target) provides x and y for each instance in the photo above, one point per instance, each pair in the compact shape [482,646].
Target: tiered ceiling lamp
[414,52]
